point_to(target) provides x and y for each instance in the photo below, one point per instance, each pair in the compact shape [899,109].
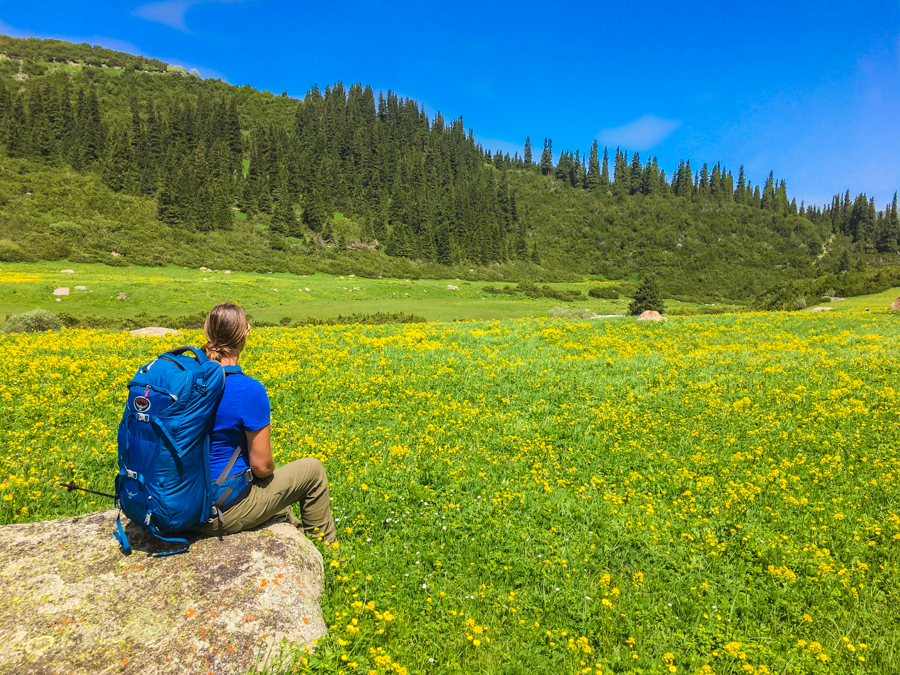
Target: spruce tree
[646,297]
[604,170]
[637,174]
[283,219]
[621,173]
[527,154]
[592,180]
[768,194]
[547,157]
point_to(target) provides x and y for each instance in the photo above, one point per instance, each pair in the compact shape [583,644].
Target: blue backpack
[164,482]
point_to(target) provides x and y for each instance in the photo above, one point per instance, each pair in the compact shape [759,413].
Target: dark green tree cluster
[421,188]
[860,220]
[188,152]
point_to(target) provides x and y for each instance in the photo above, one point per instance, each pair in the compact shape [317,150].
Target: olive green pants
[301,482]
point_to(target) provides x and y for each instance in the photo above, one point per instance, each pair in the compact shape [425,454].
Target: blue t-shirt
[244,407]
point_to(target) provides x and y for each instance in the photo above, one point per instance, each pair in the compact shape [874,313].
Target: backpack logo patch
[141,403]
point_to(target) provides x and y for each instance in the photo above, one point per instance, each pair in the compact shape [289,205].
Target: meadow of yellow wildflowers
[709,495]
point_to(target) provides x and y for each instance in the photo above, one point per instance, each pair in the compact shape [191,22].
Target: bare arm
[260,450]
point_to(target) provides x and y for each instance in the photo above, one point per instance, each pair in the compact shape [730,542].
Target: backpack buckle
[143,417]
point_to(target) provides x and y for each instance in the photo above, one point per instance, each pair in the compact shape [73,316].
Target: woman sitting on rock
[259,491]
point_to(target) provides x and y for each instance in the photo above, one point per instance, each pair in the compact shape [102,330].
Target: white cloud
[640,134]
[172,12]
[168,12]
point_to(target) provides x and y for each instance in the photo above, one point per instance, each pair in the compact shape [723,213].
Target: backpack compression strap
[119,534]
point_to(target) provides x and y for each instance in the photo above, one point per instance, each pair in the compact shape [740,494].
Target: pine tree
[316,212]
[527,154]
[768,194]
[592,180]
[604,170]
[283,219]
[637,174]
[89,130]
[621,174]
[117,164]
[781,199]
[547,157]
[892,227]
[646,297]
[704,190]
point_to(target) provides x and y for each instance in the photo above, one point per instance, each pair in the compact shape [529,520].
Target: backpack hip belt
[239,485]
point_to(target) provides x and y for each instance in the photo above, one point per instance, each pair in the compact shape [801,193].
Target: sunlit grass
[175,291]
[537,496]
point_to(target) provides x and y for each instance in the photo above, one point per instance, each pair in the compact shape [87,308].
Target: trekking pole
[71,486]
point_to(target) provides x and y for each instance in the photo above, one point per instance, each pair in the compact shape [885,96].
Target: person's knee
[315,468]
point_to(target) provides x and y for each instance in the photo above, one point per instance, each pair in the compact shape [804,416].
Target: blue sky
[810,90]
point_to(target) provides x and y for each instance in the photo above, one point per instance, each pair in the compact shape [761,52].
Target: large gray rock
[71,602]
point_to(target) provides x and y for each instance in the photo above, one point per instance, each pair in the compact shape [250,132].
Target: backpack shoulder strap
[229,370]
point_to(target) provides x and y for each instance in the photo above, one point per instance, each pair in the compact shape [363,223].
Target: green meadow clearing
[175,291]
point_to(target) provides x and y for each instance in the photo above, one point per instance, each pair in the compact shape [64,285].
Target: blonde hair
[225,329]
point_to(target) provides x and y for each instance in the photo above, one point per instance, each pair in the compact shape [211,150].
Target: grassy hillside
[713,250]
[108,152]
[56,213]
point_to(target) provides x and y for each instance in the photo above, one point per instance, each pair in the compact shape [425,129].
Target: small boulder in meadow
[62,290]
[122,296]
[153,331]
[67,271]
[895,305]
[650,315]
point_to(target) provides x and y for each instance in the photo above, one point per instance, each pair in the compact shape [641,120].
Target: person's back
[247,488]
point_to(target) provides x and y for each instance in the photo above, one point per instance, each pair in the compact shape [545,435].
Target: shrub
[10,251]
[646,297]
[377,319]
[35,321]
[570,313]
[506,290]
[604,293]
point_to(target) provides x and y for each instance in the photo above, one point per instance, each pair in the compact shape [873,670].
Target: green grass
[594,496]
[175,291]
[875,301]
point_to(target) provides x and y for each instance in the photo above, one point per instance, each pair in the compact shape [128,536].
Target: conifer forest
[104,151]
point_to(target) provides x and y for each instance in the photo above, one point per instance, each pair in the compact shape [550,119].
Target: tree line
[417,187]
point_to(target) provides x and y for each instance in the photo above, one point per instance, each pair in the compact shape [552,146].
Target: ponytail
[225,329]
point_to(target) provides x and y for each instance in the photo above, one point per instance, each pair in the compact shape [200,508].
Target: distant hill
[107,152]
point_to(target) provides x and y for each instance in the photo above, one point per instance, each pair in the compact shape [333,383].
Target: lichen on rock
[72,602]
